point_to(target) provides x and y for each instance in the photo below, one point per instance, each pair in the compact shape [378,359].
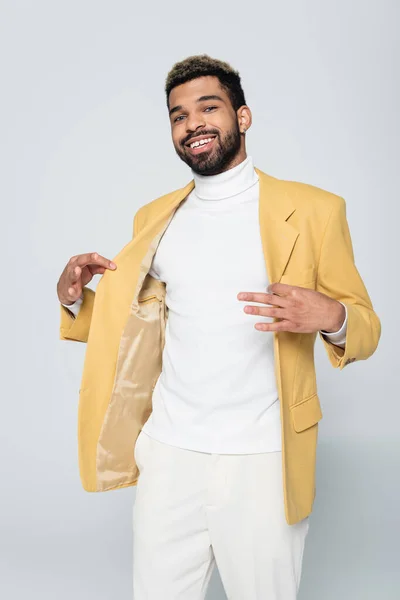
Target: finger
[74,291]
[263,298]
[74,274]
[281,288]
[93,258]
[277,312]
[276,326]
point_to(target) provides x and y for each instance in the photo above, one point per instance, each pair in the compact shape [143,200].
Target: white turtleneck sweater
[217,389]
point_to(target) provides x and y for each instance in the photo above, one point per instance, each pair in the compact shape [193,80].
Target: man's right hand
[78,272]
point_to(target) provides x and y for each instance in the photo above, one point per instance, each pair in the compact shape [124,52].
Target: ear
[244,118]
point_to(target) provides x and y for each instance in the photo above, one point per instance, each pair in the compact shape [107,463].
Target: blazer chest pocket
[306,413]
[303,278]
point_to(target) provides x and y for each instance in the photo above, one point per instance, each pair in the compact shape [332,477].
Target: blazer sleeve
[339,278]
[77,328]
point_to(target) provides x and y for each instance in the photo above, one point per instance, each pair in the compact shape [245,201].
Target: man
[200,338]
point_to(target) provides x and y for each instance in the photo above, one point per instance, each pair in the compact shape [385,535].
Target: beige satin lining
[138,367]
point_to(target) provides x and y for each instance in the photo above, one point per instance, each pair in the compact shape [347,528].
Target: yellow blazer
[306,242]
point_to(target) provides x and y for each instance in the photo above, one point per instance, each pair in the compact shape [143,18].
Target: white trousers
[195,509]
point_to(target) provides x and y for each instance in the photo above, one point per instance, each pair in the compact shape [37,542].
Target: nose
[195,121]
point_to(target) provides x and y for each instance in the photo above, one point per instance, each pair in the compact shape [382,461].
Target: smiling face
[205,127]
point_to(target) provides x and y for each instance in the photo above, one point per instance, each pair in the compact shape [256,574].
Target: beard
[218,158]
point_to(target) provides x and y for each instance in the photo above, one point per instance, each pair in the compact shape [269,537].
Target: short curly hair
[202,65]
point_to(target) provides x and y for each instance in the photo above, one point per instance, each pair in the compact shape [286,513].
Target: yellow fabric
[306,242]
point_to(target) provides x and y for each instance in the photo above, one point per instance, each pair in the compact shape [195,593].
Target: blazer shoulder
[305,195]
[317,203]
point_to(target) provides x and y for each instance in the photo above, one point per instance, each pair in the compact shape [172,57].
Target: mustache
[192,136]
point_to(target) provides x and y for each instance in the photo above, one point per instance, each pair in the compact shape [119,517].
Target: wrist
[76,302]
[339,318]
[67,303]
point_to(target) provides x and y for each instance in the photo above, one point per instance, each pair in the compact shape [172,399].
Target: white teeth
[200,143]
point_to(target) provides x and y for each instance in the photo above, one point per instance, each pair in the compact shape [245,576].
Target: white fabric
[217,389]
[195,509]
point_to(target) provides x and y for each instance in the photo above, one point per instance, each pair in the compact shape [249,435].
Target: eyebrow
[201,99]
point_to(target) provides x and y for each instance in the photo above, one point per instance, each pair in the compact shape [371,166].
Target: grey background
[85,141]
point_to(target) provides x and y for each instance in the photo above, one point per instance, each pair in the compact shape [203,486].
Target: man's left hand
[298,310]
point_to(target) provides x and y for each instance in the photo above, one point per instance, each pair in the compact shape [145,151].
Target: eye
[177,118]
[210,107]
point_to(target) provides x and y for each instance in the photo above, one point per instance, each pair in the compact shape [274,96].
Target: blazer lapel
[277,235]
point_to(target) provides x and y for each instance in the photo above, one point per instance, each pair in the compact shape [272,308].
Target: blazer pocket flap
[306,413]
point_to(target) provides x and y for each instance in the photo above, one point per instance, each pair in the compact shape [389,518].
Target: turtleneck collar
[227,184]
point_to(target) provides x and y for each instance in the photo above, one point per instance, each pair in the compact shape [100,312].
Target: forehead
[188,92]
